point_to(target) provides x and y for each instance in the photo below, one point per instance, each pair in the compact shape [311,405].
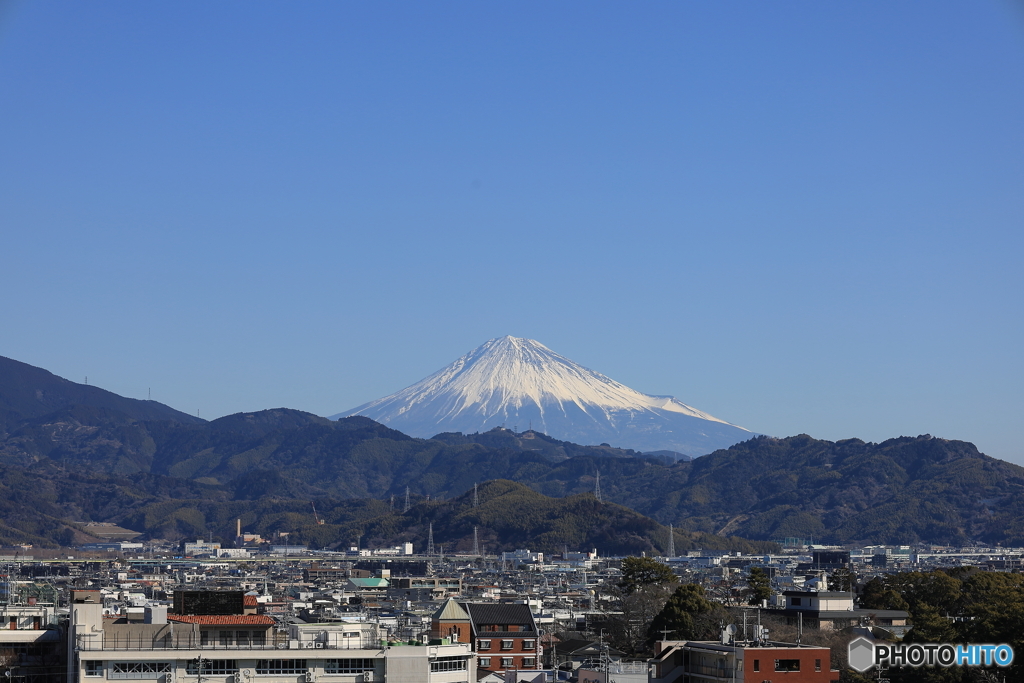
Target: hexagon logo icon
[861,654]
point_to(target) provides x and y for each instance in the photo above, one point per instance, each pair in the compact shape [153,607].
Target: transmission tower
[671,541]
[476,543]
[406,499]
[476,500]
[392,502]
[430,540]
[597,487]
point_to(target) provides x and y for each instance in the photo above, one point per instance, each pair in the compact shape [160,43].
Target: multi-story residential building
[30,644]
[503,636]
[249,648]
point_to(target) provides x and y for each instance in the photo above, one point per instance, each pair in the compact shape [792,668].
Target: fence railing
[188,642]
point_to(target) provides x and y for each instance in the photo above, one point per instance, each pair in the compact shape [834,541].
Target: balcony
[189,641]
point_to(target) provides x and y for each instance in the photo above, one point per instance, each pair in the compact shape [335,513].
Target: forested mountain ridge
[27,392]
[92,462]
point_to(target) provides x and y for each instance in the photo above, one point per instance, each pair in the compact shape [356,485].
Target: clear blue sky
[799,217]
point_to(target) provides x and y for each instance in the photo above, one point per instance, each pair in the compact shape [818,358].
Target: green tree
[760,586]
[639,572]
[688,615]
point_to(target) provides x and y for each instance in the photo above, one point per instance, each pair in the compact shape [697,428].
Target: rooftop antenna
[671,541]
[597,487]
[476,543]
[87,379]
[150,393]
[476,499]
[406,499]
[430,539]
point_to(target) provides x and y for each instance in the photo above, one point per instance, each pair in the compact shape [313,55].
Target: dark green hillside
[27,391]
[509,516]
[905,490]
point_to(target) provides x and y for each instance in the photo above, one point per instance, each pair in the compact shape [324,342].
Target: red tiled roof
[249,600]
[216,619]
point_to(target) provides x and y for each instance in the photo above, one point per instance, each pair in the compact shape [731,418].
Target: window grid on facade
[348,666]
[506,661]
[506,645]
[757,665]
[529,661]
[275,667]
[483,645]
[94,668]
[817,665]
[448,664]
[485,662]
[213,667]
[139,670]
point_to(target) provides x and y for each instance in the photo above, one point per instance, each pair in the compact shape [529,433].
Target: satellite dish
[731,629]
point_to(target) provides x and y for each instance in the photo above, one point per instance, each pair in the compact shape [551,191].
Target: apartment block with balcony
[246,648]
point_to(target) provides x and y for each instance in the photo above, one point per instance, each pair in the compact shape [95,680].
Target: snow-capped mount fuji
[520,382]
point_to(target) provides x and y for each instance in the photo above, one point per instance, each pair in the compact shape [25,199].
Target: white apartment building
[246,648]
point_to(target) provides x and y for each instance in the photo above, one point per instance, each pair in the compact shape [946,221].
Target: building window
[506,662]
[484,662]
[275,667]
[259,638]
[529,661]
[448,664]
[225,637]
[796,602]
[349,666]
[787,664]
[212,667]
[506,645]
[757,665]
[529,644]
[204,638]
[483,645]
[94,668]
[241,637]
[139,670]
[817,665]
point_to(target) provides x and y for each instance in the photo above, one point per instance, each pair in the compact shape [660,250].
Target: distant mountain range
[27,392]
[176,476]
[520,383]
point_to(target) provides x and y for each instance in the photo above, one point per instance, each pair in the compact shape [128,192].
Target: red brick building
[692,661]
[503,636]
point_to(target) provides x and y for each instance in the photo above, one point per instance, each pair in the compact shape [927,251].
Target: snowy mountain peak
[512,380]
